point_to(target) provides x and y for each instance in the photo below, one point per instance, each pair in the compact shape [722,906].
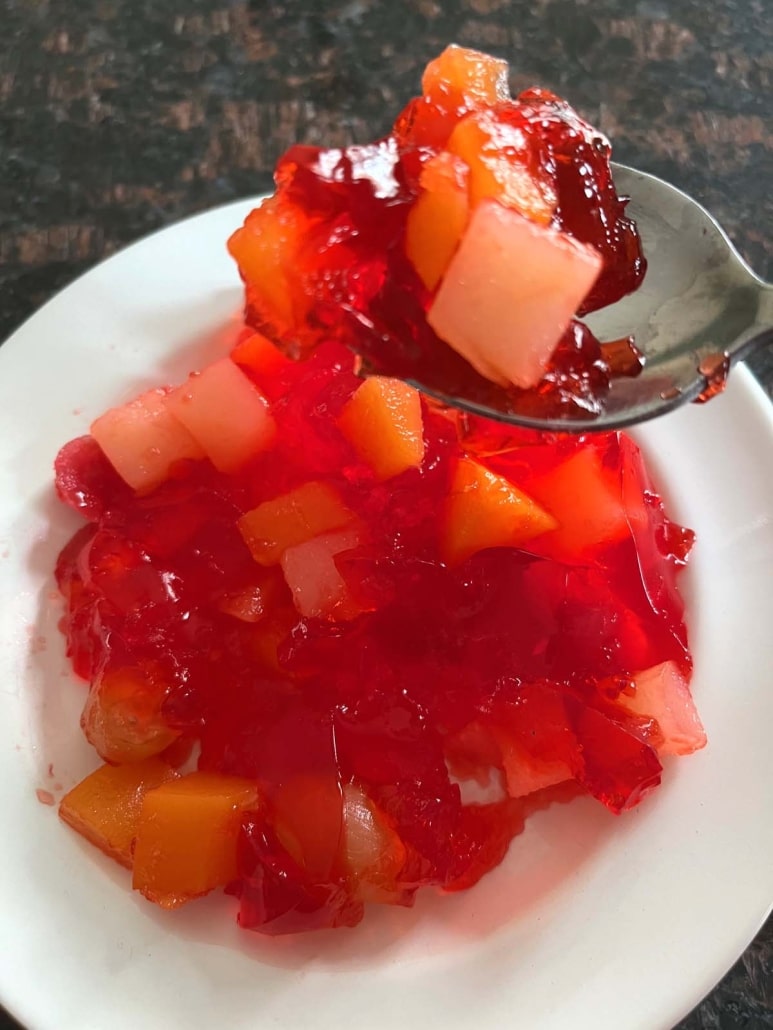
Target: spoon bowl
[699,309]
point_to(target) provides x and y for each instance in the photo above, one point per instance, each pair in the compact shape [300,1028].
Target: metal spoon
[700,307]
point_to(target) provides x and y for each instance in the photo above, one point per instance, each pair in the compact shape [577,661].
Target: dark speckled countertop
[120,116]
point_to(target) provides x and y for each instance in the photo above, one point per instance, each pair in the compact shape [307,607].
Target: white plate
[592,922]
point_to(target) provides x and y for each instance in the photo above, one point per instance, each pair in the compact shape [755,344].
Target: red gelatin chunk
[594,495]
[356,245]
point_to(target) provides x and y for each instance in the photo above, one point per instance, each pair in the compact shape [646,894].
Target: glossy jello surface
[337,637]
[351,643]
[364,245]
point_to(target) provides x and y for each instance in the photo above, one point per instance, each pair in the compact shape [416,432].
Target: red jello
[361,245]
[349,601]
[496,631]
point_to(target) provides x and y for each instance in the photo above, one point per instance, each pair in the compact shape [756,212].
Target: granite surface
[120,116]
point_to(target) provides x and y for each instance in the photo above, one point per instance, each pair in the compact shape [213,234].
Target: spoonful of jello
[482,252]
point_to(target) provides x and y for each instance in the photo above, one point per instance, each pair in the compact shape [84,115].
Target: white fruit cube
[143,439]
[318,588]
[509,294]
[663,693]
[225,413]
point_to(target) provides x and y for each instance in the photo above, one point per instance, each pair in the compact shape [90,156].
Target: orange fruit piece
[187,836]
[485,510]
[438,218]
[501,162]
[461,77]
[105,806]
[122,717]
[265,249]
[260,356]
[384,424]
[293,518]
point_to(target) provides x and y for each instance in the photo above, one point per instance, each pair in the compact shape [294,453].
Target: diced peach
[501,166]
[142,440]
[586,501]
[438,218]
[461,77]
[187,836]
[663,693]
[225,413]
[122,717]
[384,424]
[265,248]
[485,510]
[509,294]
[105,806]
[318,588]
[293,518]
[258,354]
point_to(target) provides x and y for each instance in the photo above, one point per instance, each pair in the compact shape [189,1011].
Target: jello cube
[485,510]
[510,292]
[291,519]
[586,500]
[105,806]
[187,836]
[143,439]
[383,422]
[225,413]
